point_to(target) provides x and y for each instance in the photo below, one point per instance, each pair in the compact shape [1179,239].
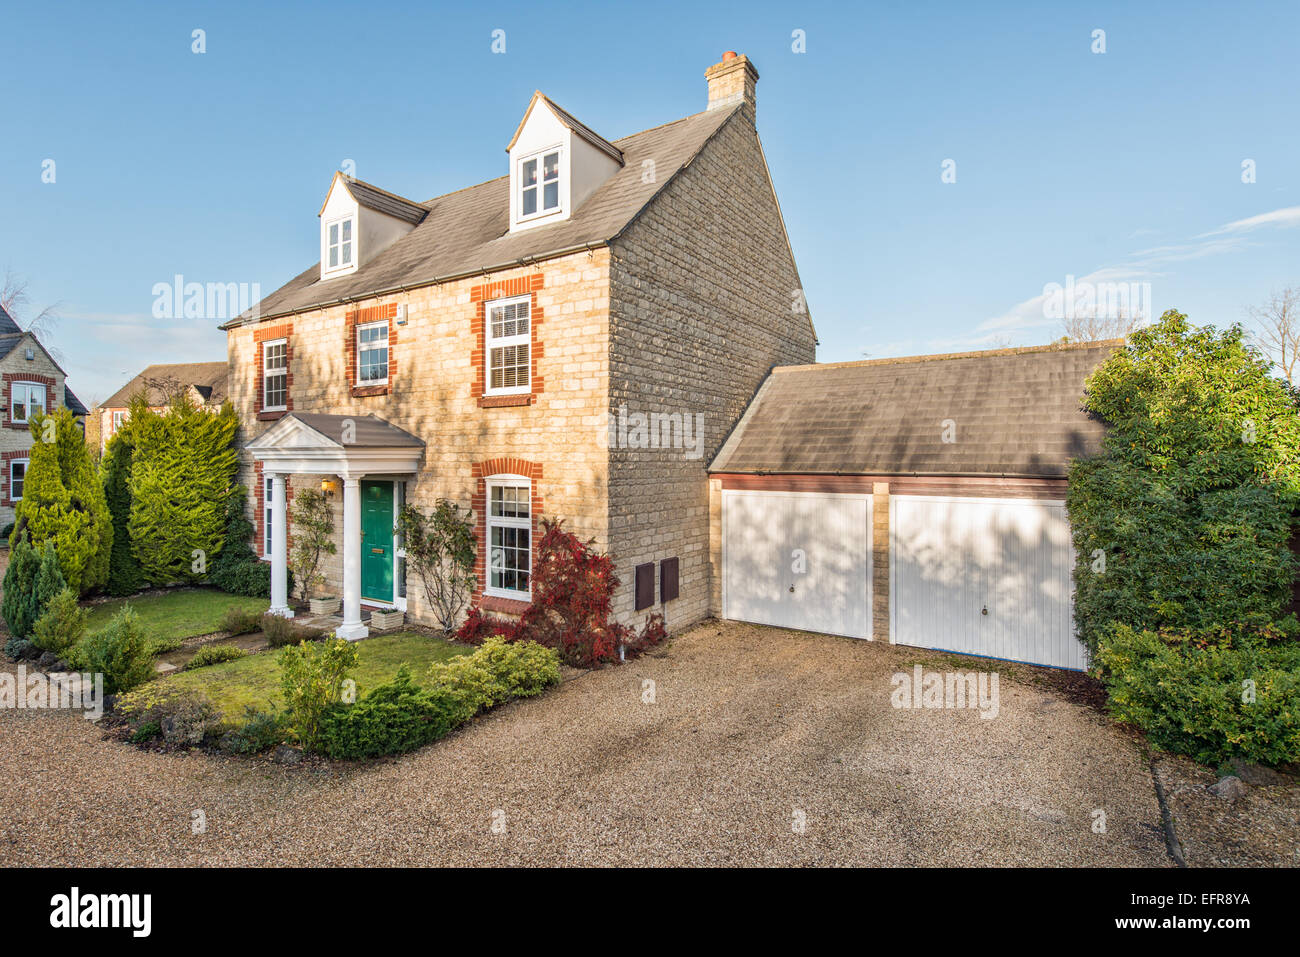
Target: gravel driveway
[753,733]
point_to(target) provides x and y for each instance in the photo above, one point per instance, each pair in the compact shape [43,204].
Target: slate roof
[381,200]
[209,378]
[7,325]
[75,405]
[370,431]
[467,232]
[1017,412]
[573,123]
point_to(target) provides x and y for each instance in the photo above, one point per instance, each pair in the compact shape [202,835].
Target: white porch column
[352,628]
[279,548]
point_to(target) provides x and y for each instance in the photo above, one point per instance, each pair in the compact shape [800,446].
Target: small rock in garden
[1229,788]
[164,667]
[61,665]
[1256,774]
[46,660]
[284,754]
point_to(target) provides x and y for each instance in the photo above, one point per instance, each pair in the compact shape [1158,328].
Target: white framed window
[509,536]
[539,184]
[268,491]
[275,375]
[26,400]
[508,346]
[119,417]
[372,353]
[17,478]
[340,241]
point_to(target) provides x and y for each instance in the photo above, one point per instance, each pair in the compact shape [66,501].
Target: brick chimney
[732,81]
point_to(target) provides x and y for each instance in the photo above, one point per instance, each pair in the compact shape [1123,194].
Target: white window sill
[508,595]
[523,390]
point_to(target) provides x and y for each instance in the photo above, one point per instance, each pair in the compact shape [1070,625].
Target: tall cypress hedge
[125,576]
[182,472]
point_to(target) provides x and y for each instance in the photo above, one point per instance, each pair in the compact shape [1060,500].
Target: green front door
[377,541]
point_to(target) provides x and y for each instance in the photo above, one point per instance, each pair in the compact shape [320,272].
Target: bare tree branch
[1279,333]
[1095,328]
[15,299]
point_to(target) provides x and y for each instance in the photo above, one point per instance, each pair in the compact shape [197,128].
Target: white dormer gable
[555,164]
[358,221]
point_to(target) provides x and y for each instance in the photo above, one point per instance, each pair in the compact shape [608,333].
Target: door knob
[984,610]
[792,589]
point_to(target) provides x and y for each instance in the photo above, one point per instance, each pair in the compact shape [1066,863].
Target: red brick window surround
[481,296]
[6,465]
[9,379]
[483,472]
[283,331]
[361,317]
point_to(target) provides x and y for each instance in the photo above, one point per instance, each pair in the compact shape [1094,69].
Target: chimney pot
[732,81]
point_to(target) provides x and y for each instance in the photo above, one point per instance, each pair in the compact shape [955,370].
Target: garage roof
[1014,412]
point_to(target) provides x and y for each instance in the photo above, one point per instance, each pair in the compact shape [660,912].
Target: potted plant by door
[325,605]
[386,619]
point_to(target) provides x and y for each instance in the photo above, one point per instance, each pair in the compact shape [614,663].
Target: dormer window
[340,243]
[539,184]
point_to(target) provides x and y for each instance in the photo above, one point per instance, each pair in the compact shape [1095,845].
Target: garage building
[919,500]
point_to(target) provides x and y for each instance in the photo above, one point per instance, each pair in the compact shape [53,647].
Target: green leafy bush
[260,730]
[1183,521]
[120,652]
[240,621]
[281,631]
[62,624]
[182,718]
[214,655]
[399,716]
[19,603]
[146,732]
[1237,697]
[311,680]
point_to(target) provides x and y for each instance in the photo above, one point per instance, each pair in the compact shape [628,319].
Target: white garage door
[798,560]
[983,577]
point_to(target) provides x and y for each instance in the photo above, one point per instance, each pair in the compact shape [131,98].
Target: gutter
[406,287]
[855,474]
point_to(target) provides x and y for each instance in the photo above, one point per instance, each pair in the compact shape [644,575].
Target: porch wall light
[329,487]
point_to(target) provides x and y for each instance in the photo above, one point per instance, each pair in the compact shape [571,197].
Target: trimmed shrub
[240,621]
[120,652]
[62,624]
[182,472]
[19,649]
[1236,697]
[400,716]
[182,718]
[124,574]
[213,655]
[19,606]
[281,631]
[478,626]
[260,730]
[146,732]
[63,502]
[311,680]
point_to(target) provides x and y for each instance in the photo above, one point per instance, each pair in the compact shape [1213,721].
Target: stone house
[574,339]
[31,381]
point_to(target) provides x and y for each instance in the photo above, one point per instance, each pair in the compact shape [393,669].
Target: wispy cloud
[1283,218]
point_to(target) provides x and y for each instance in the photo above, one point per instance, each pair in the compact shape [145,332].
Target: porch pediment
[344,445]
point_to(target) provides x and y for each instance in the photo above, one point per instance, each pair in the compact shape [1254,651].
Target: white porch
[352,447]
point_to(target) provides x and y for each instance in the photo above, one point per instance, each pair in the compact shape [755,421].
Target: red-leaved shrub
[573,586]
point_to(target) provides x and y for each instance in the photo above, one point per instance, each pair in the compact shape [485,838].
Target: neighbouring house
[918,500]
[205,382]
[573,339]
[33,382]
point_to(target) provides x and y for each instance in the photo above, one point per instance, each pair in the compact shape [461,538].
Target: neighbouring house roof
[468,232]
[7,325]
[1015,412]
[368,431]
[207,378]
[381,200]
[75,405]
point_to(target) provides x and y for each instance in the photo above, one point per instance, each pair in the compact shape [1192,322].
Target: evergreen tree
[64,503]
[124,574]
[19,605]
[181,475]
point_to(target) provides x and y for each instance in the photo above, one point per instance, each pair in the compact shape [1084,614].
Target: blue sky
[1123,165]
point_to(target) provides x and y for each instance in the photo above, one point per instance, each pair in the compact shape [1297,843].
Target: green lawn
[180,613]
[255,680]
